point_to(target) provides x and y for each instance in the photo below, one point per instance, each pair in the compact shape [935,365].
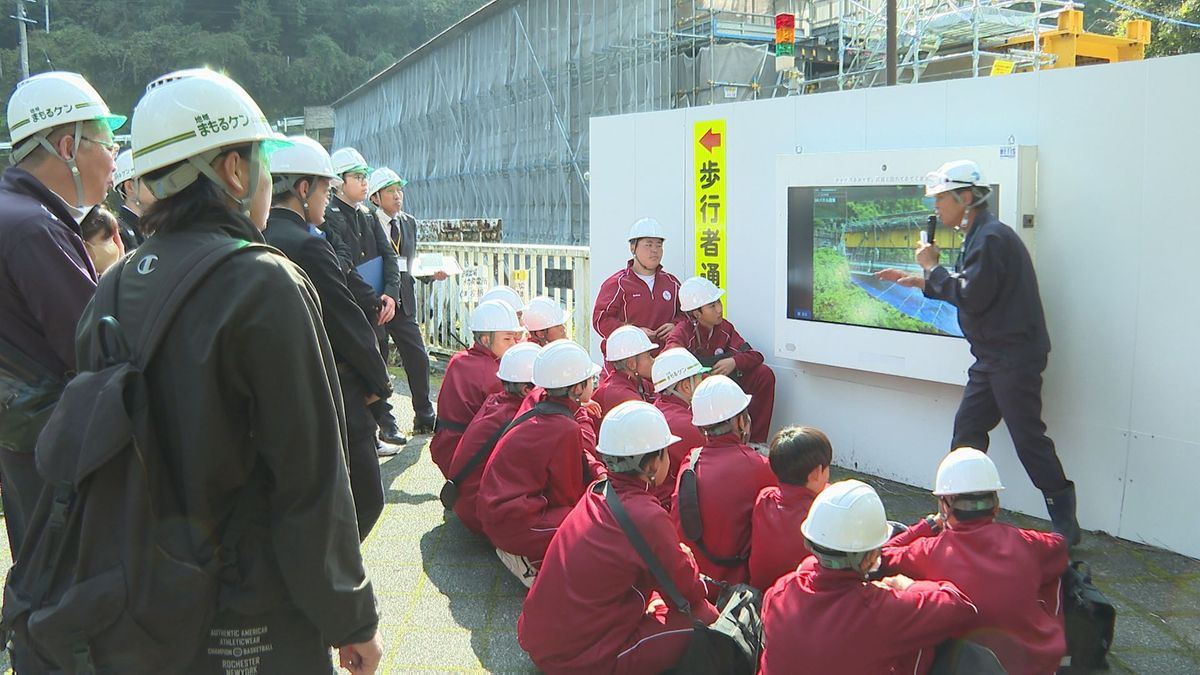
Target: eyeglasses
[113,147]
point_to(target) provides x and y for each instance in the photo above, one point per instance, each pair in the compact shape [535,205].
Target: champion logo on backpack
[108,560]
[146,264]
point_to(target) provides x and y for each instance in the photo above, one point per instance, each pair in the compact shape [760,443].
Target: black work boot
[424,424]
[390,433]
[1061,505]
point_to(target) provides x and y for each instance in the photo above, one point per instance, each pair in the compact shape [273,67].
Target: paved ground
[448,606]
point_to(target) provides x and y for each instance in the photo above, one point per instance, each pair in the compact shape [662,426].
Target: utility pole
[47,4]
[22,36]
[891,42]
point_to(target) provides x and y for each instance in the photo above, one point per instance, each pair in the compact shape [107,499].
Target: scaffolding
[940,39]
[490,118]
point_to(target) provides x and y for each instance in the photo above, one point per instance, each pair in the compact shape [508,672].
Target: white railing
[560,272]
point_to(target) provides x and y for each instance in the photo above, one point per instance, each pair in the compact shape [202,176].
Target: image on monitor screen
[839,236]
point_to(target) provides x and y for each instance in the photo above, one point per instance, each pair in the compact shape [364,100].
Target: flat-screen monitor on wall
[846,216]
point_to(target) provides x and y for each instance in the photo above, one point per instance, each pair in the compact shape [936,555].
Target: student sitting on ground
[719,482]
[676,374]
[1012,575]
[539,469]
[825,617]
[800,458]
[708,335]
[629,354]
[595,606]
[516,376]
[545,321]
[471,377]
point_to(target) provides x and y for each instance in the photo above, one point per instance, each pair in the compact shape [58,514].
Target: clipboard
[372,272]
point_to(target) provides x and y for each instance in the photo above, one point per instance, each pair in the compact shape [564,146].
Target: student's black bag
[733,643]
[107,579]
[1090,618]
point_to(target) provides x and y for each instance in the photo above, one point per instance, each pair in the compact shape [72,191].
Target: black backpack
[1090,621]
[107,578]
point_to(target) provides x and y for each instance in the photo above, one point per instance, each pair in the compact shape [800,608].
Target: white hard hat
[847,517]
[185,118]
[382,178]
[717,399]
[698,292]
[492,316]
[124,170]
[674,365]
[47,100]
[349,160]
[964,471]
[646,227]
[625,342]
[562,363]
[634,428]
[517,363]
[506,295]
[542,313]
[956,175]
[305,157]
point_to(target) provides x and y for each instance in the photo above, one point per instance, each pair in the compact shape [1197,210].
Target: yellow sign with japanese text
[1002,67]
[709,152]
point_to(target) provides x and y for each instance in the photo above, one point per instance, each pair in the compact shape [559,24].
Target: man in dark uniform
[302,174]
[358,240]
[62,150]
[135,199]
[386,190]
[995,289]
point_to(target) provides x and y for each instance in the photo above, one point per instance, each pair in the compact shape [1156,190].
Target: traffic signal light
[785,41]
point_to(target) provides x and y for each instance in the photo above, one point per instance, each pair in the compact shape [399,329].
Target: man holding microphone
[995,289]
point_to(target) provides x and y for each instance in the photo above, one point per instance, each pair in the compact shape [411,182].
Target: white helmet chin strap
[201,165]
[22,152]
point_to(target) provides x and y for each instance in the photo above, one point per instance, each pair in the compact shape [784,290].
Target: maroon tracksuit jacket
[625,299]
[470,378]
[587,610]
[756,379]
[728,480]
[618,387]
[496,412]
[817,620]
[776,546]
[679,419]
[1012,575]
[533,479]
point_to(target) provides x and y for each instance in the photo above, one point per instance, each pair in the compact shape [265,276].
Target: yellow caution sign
[709,152]
[1002,67]
[520,283]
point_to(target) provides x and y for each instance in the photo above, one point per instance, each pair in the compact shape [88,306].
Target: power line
[1152,15]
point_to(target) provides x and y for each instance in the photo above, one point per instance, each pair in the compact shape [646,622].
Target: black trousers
[1014,394]
[20,486]
[405,332]
[366,485]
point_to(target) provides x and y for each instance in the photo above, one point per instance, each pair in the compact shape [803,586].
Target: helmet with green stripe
[185,120]
[47,101]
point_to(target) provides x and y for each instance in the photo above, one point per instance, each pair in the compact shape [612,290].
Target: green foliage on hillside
[286,53]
